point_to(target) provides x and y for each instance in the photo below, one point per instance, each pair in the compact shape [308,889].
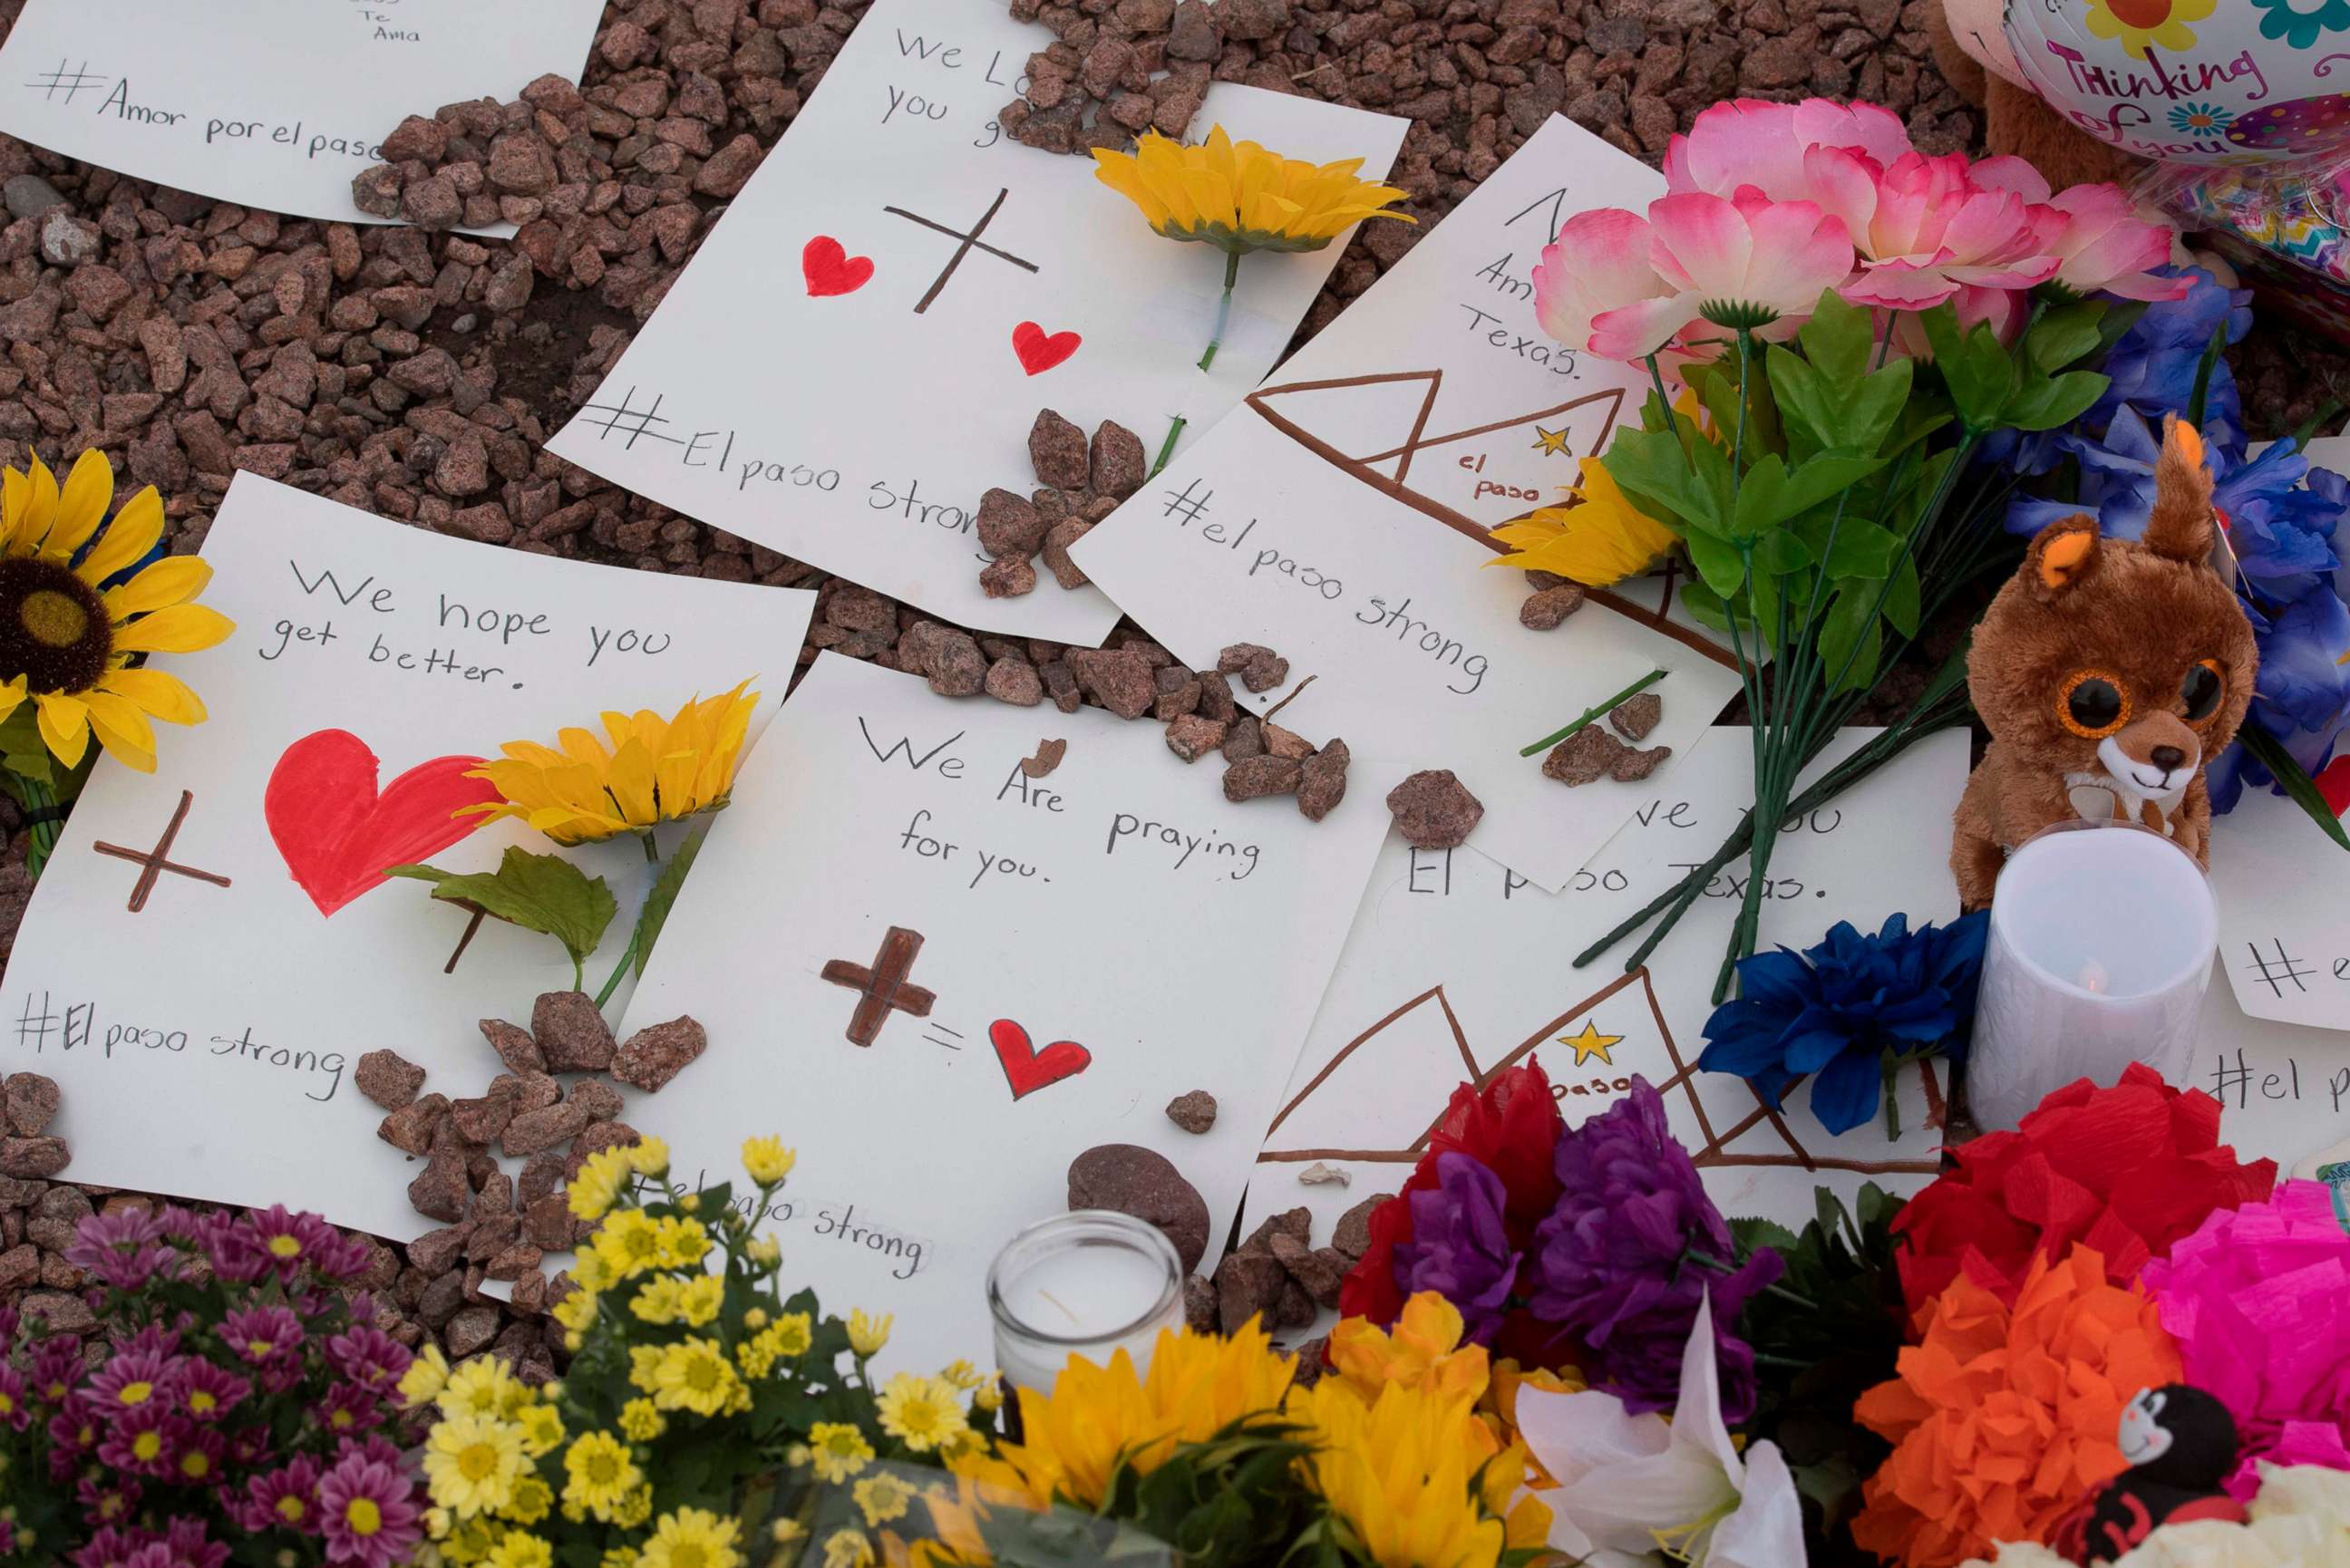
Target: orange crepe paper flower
[2002,1418]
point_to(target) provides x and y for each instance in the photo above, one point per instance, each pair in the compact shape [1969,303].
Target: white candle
[2100,947]
[1089,1283]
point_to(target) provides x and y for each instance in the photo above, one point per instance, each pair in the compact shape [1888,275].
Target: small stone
[471,1331]
[410,1128]
[1199,1304]
[33,1159]
[1115,464]
[1237,657]
[603,1102]
[1317,1271]
[1543,610]
[438,1251]
[1587,754]
[440,1191]
[1191,737]
[1320,1175]
[1057,450]
[28,194]
[1064,534]
[1243,739]
[1259,668]
[33,1101]
[1248,1284]
[1194,1111]
[531,1091]
[1178,692]
[1296,1223]
[1014,680]
[388,1078]
[571,1032]
[1280,743]
[1048,757]
[1321,780]
[1635,716]
[1632,767]
[1121,679]
[1434,810]
[654,1056]
[68,241]
[1060,686]
[546,1224]
[532,1131]
[1352,1237]
[1216,695]
[482,1120]
[1007,578]
[1257,777]
[953,664]
[513,1046]
[1193,34]
[1130,1179]
[728,169]
[1009,525]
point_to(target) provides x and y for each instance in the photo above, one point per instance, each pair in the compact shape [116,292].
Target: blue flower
[2303,695]
[2188,119]
[1839,1009]
[2298,27]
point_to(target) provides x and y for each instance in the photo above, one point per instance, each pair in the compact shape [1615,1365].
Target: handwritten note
[941,980]
[275,104]
[856,355]
[205,1037]
[2284,924]
[1340,518]
[2283,1090]
[1457,968]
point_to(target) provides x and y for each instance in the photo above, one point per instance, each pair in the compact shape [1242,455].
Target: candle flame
[2093,977]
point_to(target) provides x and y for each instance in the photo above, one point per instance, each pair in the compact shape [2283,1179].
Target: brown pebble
[388,1078]
[1320,1175]
[1194,1111]
[410,1128]
[1587,754]
[1191,737]
[655,1055]
[1057,451]
[440,1191]
[571,1032]
[1545,609]
[1178,692]
[1060,686]
[1009,525]
[1064,534]
[1631,766]
[603,1102]
[532,1131]
[1216,695]
[1256,776]
[1249,1285]
[1280,743]
[513,1046]
[1259,668]
[1131,1180]
[1007,578]
[1352,1235]
[1199,1304]
[1048,757]
[1243,739]
[1434,810]
[32,1100]
[952,662]
[483,1119]
[1117,465]
[1121,679]
[1635,716]
[1321,780]
[1014,680]
[33,1159]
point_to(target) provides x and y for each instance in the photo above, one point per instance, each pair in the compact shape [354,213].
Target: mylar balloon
[2194,81]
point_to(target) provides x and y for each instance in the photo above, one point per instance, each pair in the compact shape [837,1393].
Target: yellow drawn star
[1550,443]
[1590,1044]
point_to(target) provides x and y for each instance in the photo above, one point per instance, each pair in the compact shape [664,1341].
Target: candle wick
[1058,1302]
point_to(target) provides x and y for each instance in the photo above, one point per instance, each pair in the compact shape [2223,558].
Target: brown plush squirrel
[2107,671]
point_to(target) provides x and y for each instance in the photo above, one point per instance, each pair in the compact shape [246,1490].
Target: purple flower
[261,1335]
[124,1249]
[1460,1245]
[191,1547]
[15,1399]
[208,1392]
[145,1440]
[54,1367]
[202,1451]
[1615,1265]
[112,1547]
[137,1379]
[367,1510]
[107,1498]
[347,1411]
[285,1498]
[369,1358]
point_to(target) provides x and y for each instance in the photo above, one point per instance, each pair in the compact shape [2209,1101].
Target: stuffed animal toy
[1970,46]
[2107,672]
[2180,1443]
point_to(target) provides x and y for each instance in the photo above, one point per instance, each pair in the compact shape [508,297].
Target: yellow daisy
[2138,25]
[67,640]
[471,1462]
[1239,197]
[682,1242]
[866,1335]
[837,1450]
[520,1550]
[847,1549]
[533,1499]
[921,1412]
[483,1386]
[767,1160]
[691,1538]
[1598,539]
[602,1473]
[649,1156]
[698,1300]
[653,770]
[641,1422]
[542,1430]
[882,1498]
[628,1243]
[427,1373]
[694,1375]
[602,1177]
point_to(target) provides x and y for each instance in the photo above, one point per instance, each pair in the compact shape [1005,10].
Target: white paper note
[1340,518]
[857,353]
[1086,947]
[1456,969]
[2284,890]
[2284,1091]
[206,1043]
[275,104]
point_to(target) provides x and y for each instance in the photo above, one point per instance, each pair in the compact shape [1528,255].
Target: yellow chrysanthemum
[656,1301]
[654,770]
[962,1374]
[698,1299]
[635,1508]
[629,1242]
[767,1160]
[1401,1472]
[471,1462]
[866,1335]
[601,1472]
[848,1549]
[691,1538]
[618,1557]
[1598,539]
[67,640]
[764,1250]
[921,1412]
[1239,197]
[837,1450]
[577,1309]
[694,1375]
[602,1177]
[649,1156]
[786,1339]
[1423,1352]
[521,1550]
[483,1386]
[1097,1417]
[882,1498]
[533,1499]
[426,1376]
[641,1422]
[542,1430]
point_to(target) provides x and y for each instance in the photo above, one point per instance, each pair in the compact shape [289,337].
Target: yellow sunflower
[1421,1481]
[1598,539]
[2141,24]
[67,640]
[654,770]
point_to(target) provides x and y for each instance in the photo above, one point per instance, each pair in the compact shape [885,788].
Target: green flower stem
[1589,714]
[1223,307]
[628,954]
[1892,1101]
[44,831]
[1707,1261]
[1166,448]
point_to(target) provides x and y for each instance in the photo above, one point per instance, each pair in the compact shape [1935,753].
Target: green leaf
[22,750]
[1820,480]
[1862,550]
[2046,405]
[1780,551]
[1651,467]
[1718,563]
[1705,606]
[655,914]
[2271,754]
[1839,337]
[1759,494]
[542,893]
[1751,1233]
[2064,336]
[1976,367]
[1901,599]
[1848,638]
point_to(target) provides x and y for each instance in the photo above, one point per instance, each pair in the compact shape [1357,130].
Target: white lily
[1637,1490]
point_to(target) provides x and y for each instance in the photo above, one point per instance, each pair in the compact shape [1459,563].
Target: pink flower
[111,1547]
[1751,263]
[368,1511]
[369,1356]
[107,1499]
[260,1335]
[55,1367]
[2005,308]
[284,1498]
[1927,227]
[2106,247]
[137,1379]
[1746,144]
[16,1399]
[208,1392]
[347,1411]
[145,1440]
[1599,263]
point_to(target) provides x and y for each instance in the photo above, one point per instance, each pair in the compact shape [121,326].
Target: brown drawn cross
[882,988]
[154,862]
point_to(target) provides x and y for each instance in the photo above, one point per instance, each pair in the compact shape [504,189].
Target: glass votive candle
[2101,942]
[1092,1282]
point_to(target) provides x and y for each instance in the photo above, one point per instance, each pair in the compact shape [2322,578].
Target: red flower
[2126,1171]
[1512,1126]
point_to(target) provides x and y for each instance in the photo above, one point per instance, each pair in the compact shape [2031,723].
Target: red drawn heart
[2333,783]
[337,832]
[829,269]
[1039,352]
[1028,1070]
